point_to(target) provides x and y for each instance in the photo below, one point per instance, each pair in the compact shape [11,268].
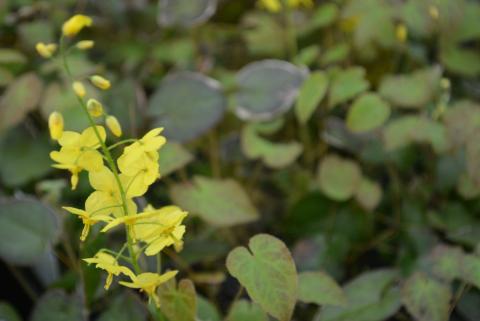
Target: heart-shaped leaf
[311,94]
[267,89]
[346,84]
[367,112]
[185,13]
[187,104]
[268,273]
[243,310]
[339,178]
[219,202]
[27,230]
[426,298]
[179,303]
[320,288]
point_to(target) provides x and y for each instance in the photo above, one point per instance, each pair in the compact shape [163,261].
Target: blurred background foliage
[349,130]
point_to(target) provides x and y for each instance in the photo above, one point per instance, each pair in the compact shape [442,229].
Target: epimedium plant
[344,128]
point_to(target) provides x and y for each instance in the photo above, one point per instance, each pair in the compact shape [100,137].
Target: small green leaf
[338,178]
[219,202]
[173,157]
[125,307]
[55,305]
[179,303]
[426,299]
[471,269]
[185,12]
[206,311]
[268,272]
[347,84]
[311,94]
[414,90]
[12,56]
[447,262]
[27,230]
[337,53]
[325,15]
[243,310]
[367,112]
[465,62]
[8,313]
[320,288]
[21,97]
[368,194]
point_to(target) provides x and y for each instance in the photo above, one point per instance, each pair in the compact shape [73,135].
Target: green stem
[108,156]
[125,141]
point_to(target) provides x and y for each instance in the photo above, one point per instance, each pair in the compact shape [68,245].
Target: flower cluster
[279,5]
[116,184]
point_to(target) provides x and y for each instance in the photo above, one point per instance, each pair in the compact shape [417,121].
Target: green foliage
[55,305]
[180,302]
[320,288]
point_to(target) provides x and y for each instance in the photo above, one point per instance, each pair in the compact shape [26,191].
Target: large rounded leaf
[187,104]
[179,302]
[27,229]
[339,178]
[185,13]
[268,273]
[267,89]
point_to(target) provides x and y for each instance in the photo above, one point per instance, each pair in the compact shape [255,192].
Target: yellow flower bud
[75,24]
[79,89]
[95,108]
[114,125]
[100,82]
[46,50]
[433,11]
[85,44]
[55,125]
[401,32]
[445,83]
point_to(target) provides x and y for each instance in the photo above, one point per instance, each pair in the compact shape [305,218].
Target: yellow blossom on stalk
[79,89]
[114,125]
[151,142]
[108,263]
[94,107]
[278,5]
[92,214]
[100,82]
[148,283]
[55,125]
[85,44]
[145,168]
[46,50]
[161,228]
[79,152]
[129,220]
[433,11]
[75,24]
[401,32]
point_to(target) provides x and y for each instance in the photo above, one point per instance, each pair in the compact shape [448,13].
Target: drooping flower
[75,24]
[46,50]
[85,44]
[401,32]
[109,263]
[55,125]
[79,89]
[148,283]
[100,82]
[94,107]
[79,152]
[92,214]
[150,142]
[114,125]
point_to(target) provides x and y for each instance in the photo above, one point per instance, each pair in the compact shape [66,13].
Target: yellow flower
[105,184]
[46,50]
[148,282]
[108,263]
[151,142]
[271,5]
[94,107]
[91,215]
[161,228]
[85,44]
[114,125]
[75,24]
[299,3]
[433,11]
[401,32]
[78,152]
[278,5]
[129,220]
[100,82]
[145,168]
[79,89]
[55,125]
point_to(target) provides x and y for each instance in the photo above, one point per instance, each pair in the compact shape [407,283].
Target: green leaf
[206,311]
[267,89]
[311,94]
[178,303]
[447,262]
[465,62]
[21,97]
[11,56]
[259,29]
[274,155]
[339,178]
[244,310]
[27,230]
[219,202]
[414,90]
[367,112]
[55,305]
[187,104]
[126,307]
[320,288]
[371,296]
[268,273]
[324,15]
[185,12]
[471,269]
[337,53]
[368,194]
[173,157]
[426,299]
[8,313]
[346,84]
[18,148]
[415,129]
